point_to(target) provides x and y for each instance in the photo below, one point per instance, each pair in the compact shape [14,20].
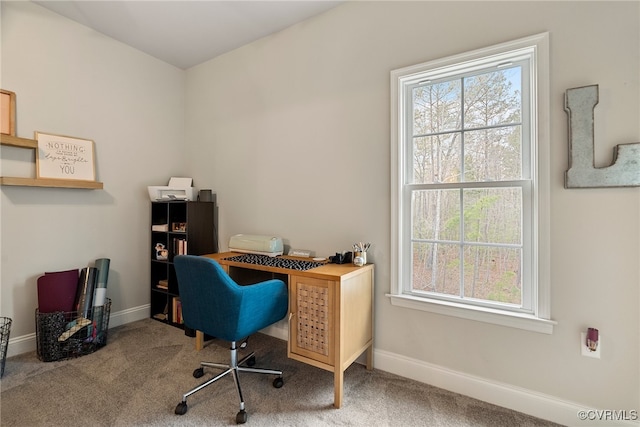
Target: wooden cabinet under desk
[330,313]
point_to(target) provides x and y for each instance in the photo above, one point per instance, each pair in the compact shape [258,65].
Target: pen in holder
[360,253]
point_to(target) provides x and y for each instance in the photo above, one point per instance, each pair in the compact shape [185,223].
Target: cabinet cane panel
[312,318]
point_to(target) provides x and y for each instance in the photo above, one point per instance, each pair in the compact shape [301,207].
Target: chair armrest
[266,286]
[267,292]
[262,304]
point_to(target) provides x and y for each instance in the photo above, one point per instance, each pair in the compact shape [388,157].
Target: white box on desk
[256,244]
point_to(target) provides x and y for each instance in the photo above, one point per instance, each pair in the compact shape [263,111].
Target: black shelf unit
[194,224]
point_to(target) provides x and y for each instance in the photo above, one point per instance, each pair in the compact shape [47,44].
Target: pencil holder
[359,258]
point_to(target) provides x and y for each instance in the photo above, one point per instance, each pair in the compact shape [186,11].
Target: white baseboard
[27,343]
[278,330]
[507,396]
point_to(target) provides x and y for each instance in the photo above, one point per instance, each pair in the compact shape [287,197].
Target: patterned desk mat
[292,264]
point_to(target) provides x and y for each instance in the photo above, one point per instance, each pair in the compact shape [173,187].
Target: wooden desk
[330,312]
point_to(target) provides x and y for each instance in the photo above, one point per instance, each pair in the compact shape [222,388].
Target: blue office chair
[217,306]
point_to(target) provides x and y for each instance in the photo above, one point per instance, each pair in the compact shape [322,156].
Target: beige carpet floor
[139,377]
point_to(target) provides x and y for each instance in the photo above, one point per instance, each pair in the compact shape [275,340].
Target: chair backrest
[211,300]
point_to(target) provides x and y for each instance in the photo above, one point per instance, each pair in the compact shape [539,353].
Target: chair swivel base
[233,368]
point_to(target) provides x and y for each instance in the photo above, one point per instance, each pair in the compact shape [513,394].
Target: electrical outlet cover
[585,349]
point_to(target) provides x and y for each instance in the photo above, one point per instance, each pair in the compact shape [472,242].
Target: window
[470,185]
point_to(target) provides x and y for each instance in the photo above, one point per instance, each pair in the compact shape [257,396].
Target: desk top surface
[324,271]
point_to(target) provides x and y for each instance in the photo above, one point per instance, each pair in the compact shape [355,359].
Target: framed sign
[7,112]
[64,157]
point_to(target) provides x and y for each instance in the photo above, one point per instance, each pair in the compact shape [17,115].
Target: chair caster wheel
[251,361]
[278,382]
[198,373]
[241,417]
[181,409]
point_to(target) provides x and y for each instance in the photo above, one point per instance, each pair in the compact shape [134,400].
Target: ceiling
[186,33]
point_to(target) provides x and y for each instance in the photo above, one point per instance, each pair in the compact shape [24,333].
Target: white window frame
[538,319]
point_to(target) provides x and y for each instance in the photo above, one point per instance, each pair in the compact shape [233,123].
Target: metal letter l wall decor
[625,169]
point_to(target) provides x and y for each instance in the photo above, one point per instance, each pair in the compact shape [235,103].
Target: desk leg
[370,358]
[199,340]
[338,383]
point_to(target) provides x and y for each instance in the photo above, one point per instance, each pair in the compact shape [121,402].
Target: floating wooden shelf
[50,182]
[14,141]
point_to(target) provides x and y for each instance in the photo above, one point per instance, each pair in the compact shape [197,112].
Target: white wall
[73,81]
[293,132]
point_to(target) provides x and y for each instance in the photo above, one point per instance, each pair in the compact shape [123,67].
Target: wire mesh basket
[65,335]
[5,331]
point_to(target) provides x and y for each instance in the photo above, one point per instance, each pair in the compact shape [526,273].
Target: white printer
[256,244]
[178,189]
